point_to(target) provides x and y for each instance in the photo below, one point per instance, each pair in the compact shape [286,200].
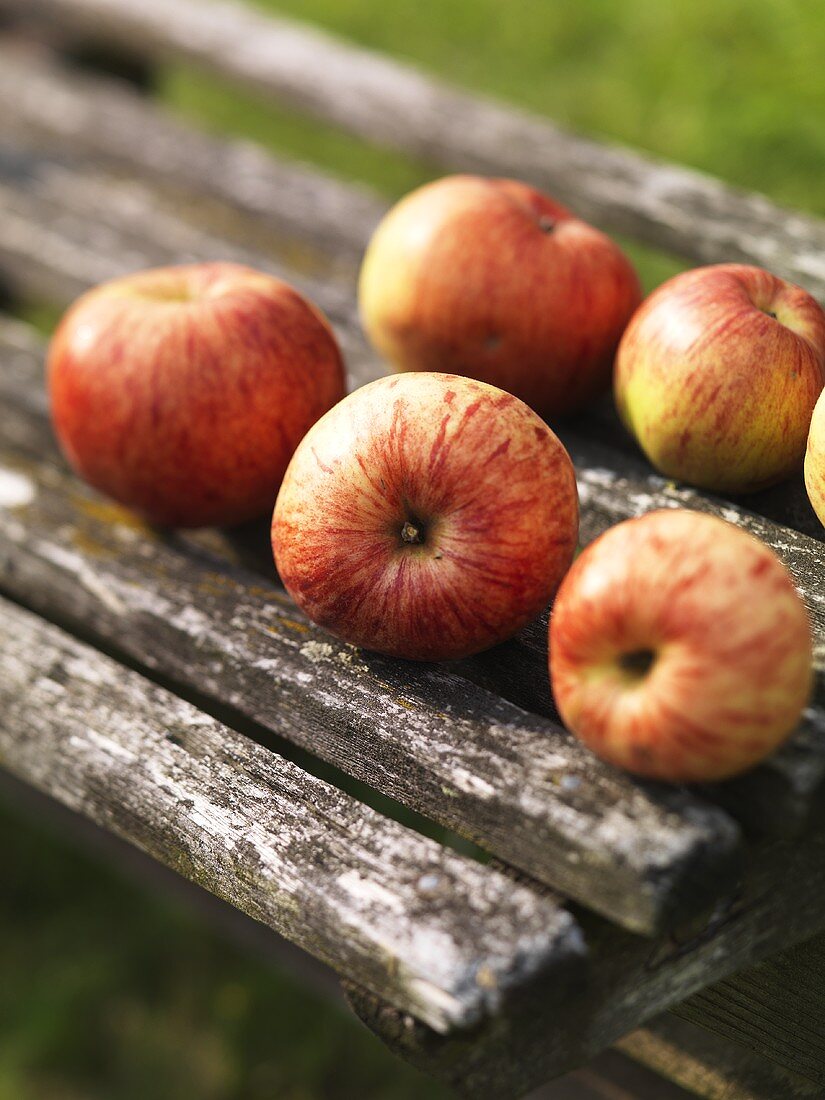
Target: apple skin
[718,392]
[729,638]
[492,279]
[465,468]
[815,460]
[182,392]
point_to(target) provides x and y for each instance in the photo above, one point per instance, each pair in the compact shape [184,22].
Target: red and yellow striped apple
[717,375]
[680,648]
[492,279]
[183,391]
[815,460]
[426,516]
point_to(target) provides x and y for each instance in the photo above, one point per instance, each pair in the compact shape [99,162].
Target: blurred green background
[109,992]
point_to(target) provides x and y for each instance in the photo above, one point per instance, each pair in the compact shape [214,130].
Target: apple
[717,375]
[182,392]
[426,516]
[680,648]
[492,279]
[815,460]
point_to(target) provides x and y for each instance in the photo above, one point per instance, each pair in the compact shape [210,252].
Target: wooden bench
[165,687]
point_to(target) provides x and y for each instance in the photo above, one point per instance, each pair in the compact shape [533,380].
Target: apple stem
[411,534]
[546,223]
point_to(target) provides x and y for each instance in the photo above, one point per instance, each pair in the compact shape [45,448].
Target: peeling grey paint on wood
[445,938]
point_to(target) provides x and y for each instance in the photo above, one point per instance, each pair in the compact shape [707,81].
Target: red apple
[815,460]
[492,279]
[680,648]
[426,516]
[717,376]
[182,392]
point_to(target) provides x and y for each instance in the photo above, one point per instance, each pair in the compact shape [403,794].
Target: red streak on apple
[680,648]
[182,392]
[426,516]
[492,279]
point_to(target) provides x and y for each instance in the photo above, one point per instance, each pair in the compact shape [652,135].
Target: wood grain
[69,110]
[443,936]
[711,1066]
[776,1009]
[514,782]
[387,102]
[628,981]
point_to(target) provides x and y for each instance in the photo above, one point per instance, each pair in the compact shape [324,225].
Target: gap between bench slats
[442,936]
[391,103]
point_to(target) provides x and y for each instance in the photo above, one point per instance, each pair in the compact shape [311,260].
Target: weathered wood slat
[628,981]
[66,226]
[391,103]
[445,937]
[776,1008]
[712,1067]
[514,782]
[301,208]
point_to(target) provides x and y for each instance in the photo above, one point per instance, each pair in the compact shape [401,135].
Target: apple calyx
[637,663]
[546,223]
[413,533]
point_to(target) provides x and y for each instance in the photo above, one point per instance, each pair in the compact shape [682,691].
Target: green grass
[733,87]
[736,87]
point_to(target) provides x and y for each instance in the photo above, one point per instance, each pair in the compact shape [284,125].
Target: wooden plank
[776,1009]
[710,1066]
[302,208]
[446,937]
[628,981]
[512,781]
[391,103]
[70,225]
